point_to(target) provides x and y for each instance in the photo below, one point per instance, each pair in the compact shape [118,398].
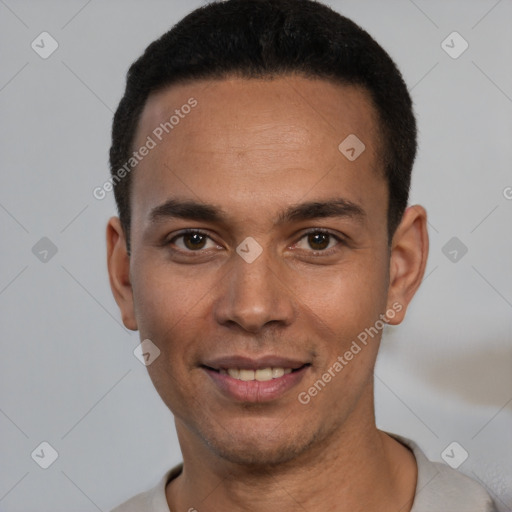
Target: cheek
[172,308]
[346,300]
[167,298]
[168,305]
[343,312]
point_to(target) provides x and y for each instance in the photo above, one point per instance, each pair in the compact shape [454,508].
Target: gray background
[68,373]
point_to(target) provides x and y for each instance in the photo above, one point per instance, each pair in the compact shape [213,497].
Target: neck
[357,468]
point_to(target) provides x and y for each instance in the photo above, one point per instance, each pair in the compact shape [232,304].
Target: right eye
[192,240]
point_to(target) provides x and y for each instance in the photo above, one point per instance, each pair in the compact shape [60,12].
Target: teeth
[246,375]
[277,372]
[264,374]
[261,375]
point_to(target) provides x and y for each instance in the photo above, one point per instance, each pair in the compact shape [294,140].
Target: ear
[118,262]
[409,252]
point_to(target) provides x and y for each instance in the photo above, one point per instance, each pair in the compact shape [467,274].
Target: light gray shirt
[439,488]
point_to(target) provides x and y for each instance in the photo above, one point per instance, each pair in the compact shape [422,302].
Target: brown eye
[194,241]
[318,241]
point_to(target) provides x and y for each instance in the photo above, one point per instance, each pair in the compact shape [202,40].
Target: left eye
[318,241]
[193,241]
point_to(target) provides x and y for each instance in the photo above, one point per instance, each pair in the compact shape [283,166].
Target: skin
[253,148]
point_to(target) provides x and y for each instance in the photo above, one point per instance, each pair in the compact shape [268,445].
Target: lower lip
[256,391]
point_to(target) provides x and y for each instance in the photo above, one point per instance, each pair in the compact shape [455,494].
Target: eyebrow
[319,209]
[193,210]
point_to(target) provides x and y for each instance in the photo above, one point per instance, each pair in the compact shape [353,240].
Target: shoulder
[153,500]
[441,488]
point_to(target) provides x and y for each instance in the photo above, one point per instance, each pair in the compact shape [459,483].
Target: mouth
[250,380]
[260,374]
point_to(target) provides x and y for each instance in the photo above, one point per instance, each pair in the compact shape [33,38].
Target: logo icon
[249,249]
[146,352]
[454,45]
[351,147]
[44,45]
[454,250]
[454,455]
[44,250]
[45,455]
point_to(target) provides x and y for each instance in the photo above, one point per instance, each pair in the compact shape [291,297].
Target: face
[259,256]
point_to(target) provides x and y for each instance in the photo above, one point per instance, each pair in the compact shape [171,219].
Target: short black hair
[265,39]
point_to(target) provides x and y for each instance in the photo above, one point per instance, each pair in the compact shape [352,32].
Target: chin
[260,449]
[256,456]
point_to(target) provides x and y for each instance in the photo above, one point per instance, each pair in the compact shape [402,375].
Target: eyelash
[185,232]
[326,252]
[315,253]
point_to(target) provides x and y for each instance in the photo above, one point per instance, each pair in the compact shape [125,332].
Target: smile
[261,375]
[256,384]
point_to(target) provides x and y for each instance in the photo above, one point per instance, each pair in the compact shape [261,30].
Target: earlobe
[409,253]
[118,262]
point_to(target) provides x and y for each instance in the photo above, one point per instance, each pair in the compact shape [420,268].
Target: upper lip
[249,363]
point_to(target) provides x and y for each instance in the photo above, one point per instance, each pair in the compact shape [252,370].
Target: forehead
[296,101]
[238,140]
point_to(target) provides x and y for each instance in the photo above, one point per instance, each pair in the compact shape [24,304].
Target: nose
[254,295]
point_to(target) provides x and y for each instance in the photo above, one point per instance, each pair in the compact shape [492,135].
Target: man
[261,160]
